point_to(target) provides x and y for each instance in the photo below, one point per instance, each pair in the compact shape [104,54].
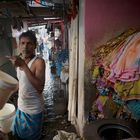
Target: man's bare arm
[37,78]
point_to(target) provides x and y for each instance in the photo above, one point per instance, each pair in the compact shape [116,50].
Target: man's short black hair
[31,35]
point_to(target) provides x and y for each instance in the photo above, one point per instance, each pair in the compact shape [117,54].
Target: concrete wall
[81,60]
[6,47]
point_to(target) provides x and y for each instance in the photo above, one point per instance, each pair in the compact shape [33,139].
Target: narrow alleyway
[55,106]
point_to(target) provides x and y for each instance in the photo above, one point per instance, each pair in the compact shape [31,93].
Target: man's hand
[17,61]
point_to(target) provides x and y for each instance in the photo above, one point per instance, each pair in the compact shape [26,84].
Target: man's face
[26,47]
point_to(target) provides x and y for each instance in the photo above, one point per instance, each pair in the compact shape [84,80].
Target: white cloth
[73,43]
[63,135]
[29,101]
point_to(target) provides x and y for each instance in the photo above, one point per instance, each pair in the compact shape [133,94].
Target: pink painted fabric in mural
[126,65]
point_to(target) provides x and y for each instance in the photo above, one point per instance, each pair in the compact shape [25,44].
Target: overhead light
[49,18]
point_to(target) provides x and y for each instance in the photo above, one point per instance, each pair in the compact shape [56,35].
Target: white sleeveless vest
[29,101]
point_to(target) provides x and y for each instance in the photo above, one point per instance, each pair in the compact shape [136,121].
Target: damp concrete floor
[56,99]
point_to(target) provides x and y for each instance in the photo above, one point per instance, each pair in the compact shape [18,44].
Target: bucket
[8,85]
[6,116]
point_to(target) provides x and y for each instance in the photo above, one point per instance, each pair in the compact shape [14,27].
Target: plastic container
[6,117]
[8,85]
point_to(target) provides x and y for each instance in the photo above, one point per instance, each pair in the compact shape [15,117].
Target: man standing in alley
[28,120]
